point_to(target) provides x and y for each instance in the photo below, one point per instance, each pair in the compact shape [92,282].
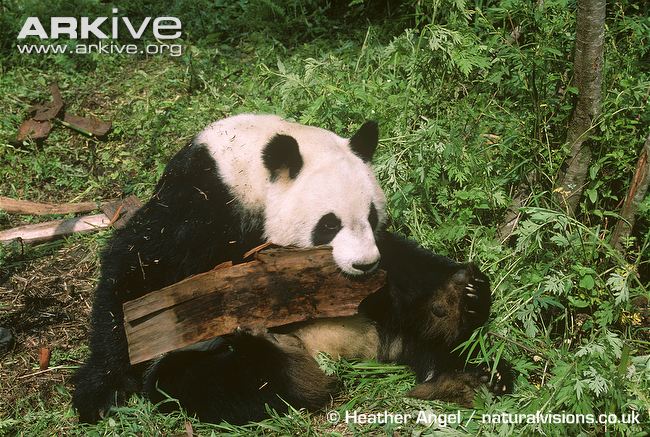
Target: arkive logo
[105,31]
[82,28]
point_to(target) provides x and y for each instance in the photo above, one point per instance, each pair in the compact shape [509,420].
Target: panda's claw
[471,311]
[472,295]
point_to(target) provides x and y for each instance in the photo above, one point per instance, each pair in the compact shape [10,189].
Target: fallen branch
[114,214]
[280,286]
[49,369]
[15,206]
[50,230]
[635,195]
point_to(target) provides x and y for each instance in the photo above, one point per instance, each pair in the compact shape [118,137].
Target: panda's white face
[338,203]
[322,190]
[311,186]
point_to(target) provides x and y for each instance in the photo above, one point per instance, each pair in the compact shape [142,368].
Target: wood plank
[280,286]
[54,229]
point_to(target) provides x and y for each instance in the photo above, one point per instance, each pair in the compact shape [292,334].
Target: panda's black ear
[282,154]
[364,142]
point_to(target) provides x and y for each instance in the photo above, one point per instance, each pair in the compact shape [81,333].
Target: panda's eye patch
[373,218]
[326,229]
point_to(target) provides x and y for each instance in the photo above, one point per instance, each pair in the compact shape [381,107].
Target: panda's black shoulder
[187,226]
[192,166]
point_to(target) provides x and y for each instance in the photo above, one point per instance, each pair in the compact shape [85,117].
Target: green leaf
[587,282]
[578,303]
[592,194]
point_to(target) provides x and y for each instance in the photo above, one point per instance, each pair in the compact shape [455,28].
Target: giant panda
[429,307]
[242,181]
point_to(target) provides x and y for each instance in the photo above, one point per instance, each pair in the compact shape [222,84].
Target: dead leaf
[49,111]
[43,358]
[36,130]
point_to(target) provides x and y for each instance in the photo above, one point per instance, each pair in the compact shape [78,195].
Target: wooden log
[280,286]
[15,206]
[50,230]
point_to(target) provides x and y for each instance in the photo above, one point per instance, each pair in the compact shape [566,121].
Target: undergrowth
[473,100]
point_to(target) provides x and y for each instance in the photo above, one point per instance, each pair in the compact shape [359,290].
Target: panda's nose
[365,267]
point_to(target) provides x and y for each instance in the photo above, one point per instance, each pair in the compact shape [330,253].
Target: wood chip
[49,111]
[87,125]
[120,211]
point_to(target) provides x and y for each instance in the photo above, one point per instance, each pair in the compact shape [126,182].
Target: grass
[466,115]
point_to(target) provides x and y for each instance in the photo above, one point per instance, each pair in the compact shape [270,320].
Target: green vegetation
[473,99]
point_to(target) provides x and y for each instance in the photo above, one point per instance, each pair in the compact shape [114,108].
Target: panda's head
[322,191]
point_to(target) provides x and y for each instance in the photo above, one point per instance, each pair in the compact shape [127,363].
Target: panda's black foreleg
[464,304]
[431,296]
[107,378]
[461,306]
[436,304]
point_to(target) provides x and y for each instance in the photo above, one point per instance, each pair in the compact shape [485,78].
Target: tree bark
[588,62]
[635,195]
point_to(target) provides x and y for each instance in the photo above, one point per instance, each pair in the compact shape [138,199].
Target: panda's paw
[460,386]
[503,380]
[285,342]
[474,289]
[93,402]
[254,330]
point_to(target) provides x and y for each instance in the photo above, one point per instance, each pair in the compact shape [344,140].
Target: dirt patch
[45,302]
